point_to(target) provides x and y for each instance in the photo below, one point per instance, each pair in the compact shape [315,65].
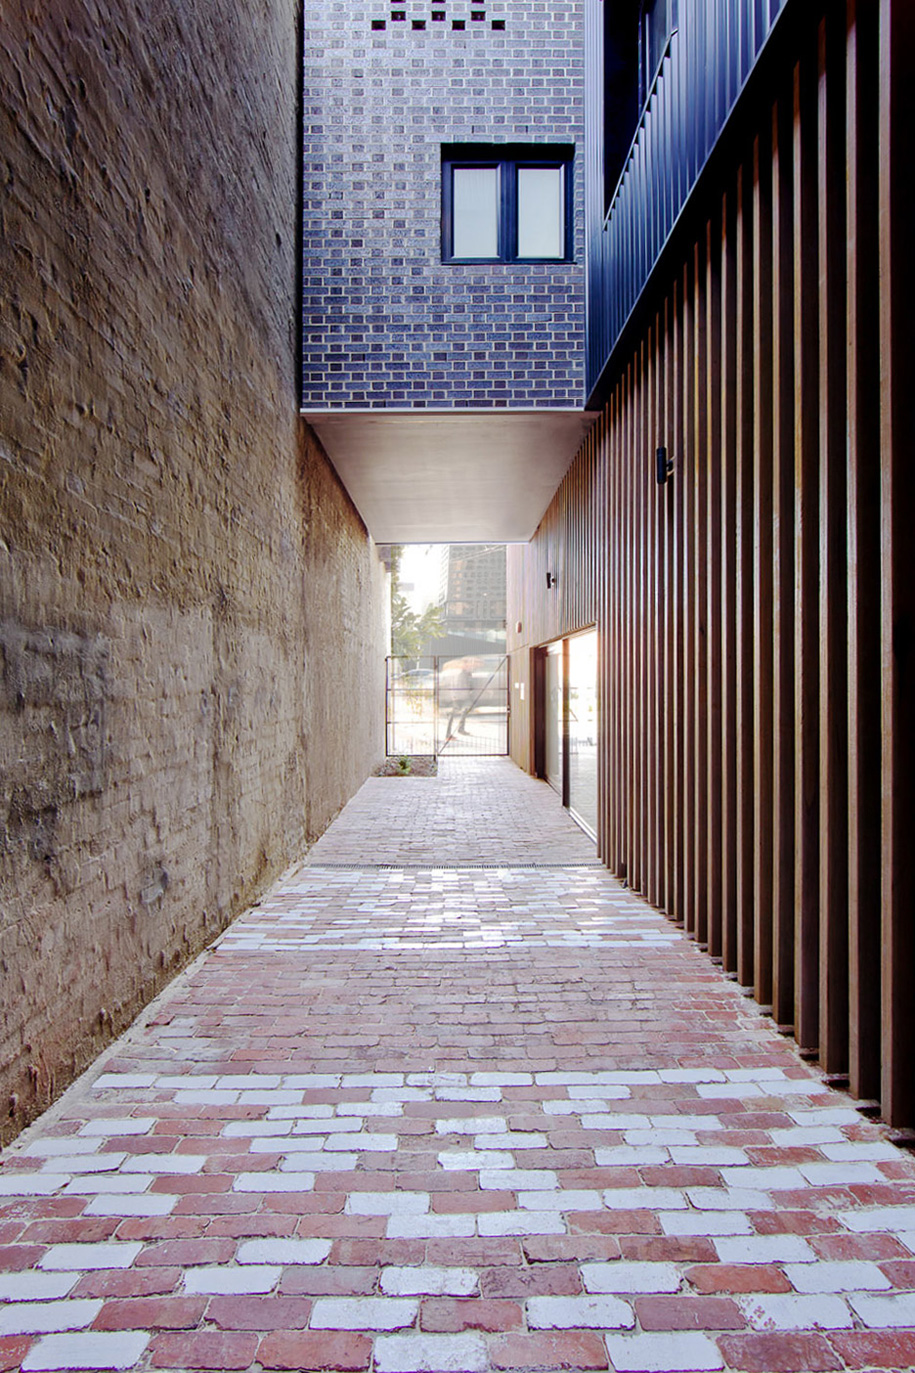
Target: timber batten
[755,612]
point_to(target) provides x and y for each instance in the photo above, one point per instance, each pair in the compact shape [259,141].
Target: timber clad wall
[185,589]
[756,612]
[567,546]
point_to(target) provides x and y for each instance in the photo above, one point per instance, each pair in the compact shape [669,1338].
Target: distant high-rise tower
[475,596]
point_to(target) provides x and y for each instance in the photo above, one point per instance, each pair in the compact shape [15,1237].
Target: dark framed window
[637,35]
[506,203]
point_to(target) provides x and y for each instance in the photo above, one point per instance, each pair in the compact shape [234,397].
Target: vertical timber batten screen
[755,612]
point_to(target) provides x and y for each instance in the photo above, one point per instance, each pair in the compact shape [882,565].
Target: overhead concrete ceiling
[425,476]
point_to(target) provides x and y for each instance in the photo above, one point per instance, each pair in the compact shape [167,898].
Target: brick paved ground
[432,1119]
[477,810]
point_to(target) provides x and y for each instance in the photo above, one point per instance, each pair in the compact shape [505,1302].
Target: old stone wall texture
[190,608]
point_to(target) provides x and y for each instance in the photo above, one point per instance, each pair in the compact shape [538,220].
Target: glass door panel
[583,730]
[553,749]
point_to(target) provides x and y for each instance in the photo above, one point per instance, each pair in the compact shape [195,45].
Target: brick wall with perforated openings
[388,323]
[190,608]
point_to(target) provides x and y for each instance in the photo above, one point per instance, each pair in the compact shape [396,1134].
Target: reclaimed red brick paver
[477,1116]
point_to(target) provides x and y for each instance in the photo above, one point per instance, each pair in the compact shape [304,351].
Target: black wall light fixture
[665,466]
[551,580]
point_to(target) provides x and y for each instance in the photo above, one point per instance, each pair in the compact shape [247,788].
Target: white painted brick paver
[241,1129]
[111,1127]
[514,1139]
[387,1203]
[85,1163]
[776,1179]
[116,1254]
[224,1280]
[518,1179]
[430,1227]
[472,1125]
[566,1199]
[839,1174]
[630,1277]
[45,1317]
[212,1097]
[506,1223]
[287,1144]
[336,1126]
[93,1350]
[32,1286]
[274,1182]
[625,1156]
[70,1144]
[428,1281]
[271,1251]
[644,1199]
[892,1312]
[708,1156]
[472,1160]
[800,1135]
[728,1091]
[877,1218]
[468,1094]
[364,1142]
[462,1353]
[677,1353]
[363,1313]
[390,1095]
[112,1184]
[179,1164]
[705,1223]
[372,1080]
[856,1275]
[728,1198]
[872,1151]
[123,1081]
[765,1249]
[648,1137]
[784,1311]
[32,1184]
[825,1115]
[389,1110]
[158,1204]
[571,1313]
[300,1162]
[501,1080]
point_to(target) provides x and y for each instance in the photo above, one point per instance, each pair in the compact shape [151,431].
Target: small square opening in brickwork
[498,24]
[398,16]
[438,15]
[458,23]
[419,23]
[478,15]
[379,24]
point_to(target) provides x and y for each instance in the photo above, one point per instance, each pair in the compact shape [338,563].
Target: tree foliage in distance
[410,633]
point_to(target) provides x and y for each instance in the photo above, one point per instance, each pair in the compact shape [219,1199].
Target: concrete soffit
[451,476]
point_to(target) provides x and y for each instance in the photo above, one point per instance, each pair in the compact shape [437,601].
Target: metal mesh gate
[450,706]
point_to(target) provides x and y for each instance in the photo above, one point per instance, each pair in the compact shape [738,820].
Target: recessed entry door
[582,730]
[569,725]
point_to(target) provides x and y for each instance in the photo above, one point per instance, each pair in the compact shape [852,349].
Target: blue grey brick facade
[388,324]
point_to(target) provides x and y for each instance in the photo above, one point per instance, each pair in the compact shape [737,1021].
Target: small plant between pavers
[408,765]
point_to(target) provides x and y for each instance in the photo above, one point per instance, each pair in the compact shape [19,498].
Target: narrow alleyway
[407,1115]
